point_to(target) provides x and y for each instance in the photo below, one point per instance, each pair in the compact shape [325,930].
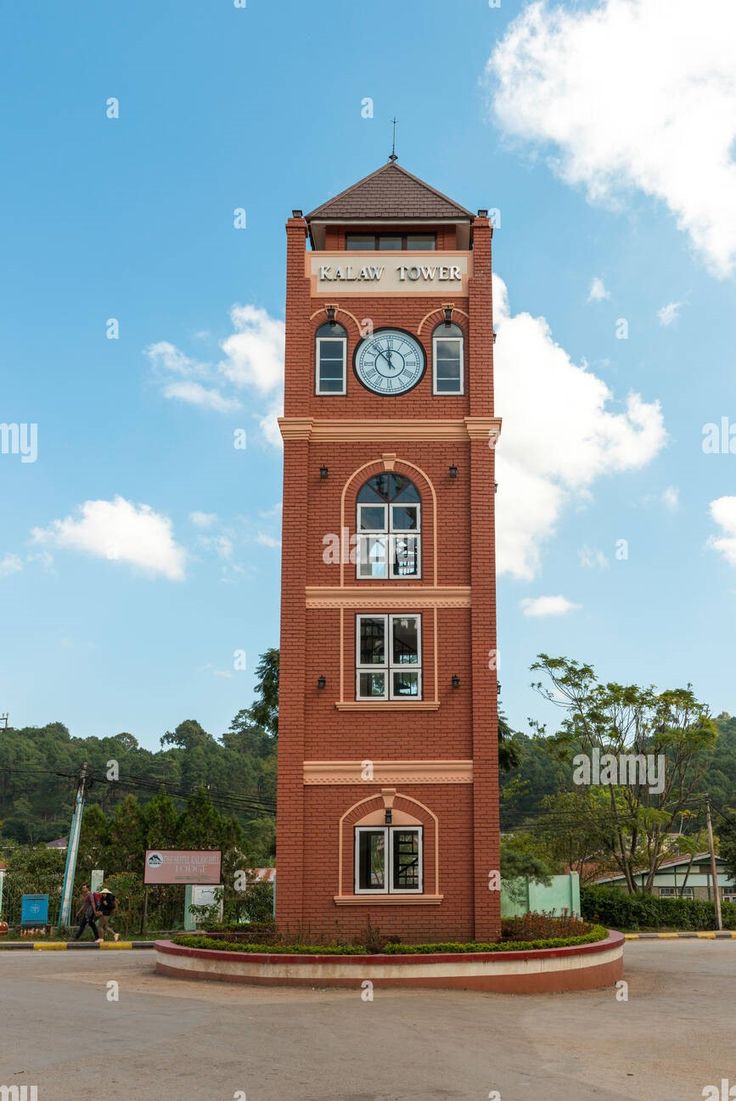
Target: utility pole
[713,866]
[72,850]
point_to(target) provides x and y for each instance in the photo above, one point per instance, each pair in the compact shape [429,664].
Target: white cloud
[590,557]
[633,94]
[120,531]
[9,564]
[669,313]
[547,605]
[203,519]
[253,360]
[194,393]
[723,512]
[267,540]
[598,291]
[561,432]
[255,351]
[671,498]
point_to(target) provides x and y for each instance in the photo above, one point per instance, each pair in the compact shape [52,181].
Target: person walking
[88,912]
[107,905]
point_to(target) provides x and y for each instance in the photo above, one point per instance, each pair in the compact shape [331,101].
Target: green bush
[215,944]
[616,908]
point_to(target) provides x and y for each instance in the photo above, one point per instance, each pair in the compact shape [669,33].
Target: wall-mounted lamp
[322,682]
[495,487]
[455,680]
[452,471]
[388,817]
[498,688]
[331,311]
[324,471]
[448,313]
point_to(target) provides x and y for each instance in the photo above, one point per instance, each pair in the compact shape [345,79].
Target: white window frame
[331,393]
[388,888]
[674,892]
[448,393]
[389,535]
[389,666]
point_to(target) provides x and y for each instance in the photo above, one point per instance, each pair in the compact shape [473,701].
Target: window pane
[372,860]
[372,555]
[402,489]
[355,241]
[405,683]
[405,561]
[331,365]
[406,640]
[404,518]
[372,517]
[389,243]
[371,685]
[405,845]
[372,641]
[421,241]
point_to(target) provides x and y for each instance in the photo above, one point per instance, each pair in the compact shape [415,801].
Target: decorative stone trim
[387,705]
[388,596]
[336,431]
[388,900]
[388,772]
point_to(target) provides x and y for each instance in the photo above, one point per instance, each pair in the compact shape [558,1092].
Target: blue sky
[259,108]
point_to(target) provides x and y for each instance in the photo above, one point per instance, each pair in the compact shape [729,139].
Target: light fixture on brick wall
[331,311]
[322,682]
[452,471]
[448,308]
[455,680]
[324,471]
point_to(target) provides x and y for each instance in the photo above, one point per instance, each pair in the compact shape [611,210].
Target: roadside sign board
[34,910]
[183,866]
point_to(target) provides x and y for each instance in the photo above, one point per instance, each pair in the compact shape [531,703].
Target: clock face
[389,362]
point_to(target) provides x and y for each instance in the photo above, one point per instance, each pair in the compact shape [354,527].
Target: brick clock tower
[388,730]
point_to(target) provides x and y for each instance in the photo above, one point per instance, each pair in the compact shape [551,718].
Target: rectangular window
[331,364]
[388,859]
[390,242]
[388,649]
[448,365]
[421,242]
[674,892]
[354,242]
[389,541]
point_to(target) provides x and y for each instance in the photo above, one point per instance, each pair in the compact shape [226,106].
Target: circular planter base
[545,970]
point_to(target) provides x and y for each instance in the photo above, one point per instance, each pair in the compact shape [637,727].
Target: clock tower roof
[390,194]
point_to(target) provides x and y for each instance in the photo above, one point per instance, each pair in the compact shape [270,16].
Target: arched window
[330,357]
[448,359]
[388,526]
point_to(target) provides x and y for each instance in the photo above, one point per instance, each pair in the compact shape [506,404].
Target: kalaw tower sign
[388,730]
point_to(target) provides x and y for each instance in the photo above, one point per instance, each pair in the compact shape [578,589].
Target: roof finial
[393,156]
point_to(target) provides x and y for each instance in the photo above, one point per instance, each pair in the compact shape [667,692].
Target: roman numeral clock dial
[389,362]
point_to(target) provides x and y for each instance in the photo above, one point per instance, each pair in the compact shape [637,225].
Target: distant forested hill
[39,767]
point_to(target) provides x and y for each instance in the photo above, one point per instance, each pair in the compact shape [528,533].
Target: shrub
[535,926]
[614,907]
[595,933]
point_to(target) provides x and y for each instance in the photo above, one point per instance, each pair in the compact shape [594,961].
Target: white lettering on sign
[428,274]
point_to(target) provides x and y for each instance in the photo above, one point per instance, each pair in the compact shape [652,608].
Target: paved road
[188,1041]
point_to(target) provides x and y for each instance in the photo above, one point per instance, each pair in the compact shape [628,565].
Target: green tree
[619,721]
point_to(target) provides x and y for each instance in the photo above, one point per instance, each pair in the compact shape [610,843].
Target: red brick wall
[465,725]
